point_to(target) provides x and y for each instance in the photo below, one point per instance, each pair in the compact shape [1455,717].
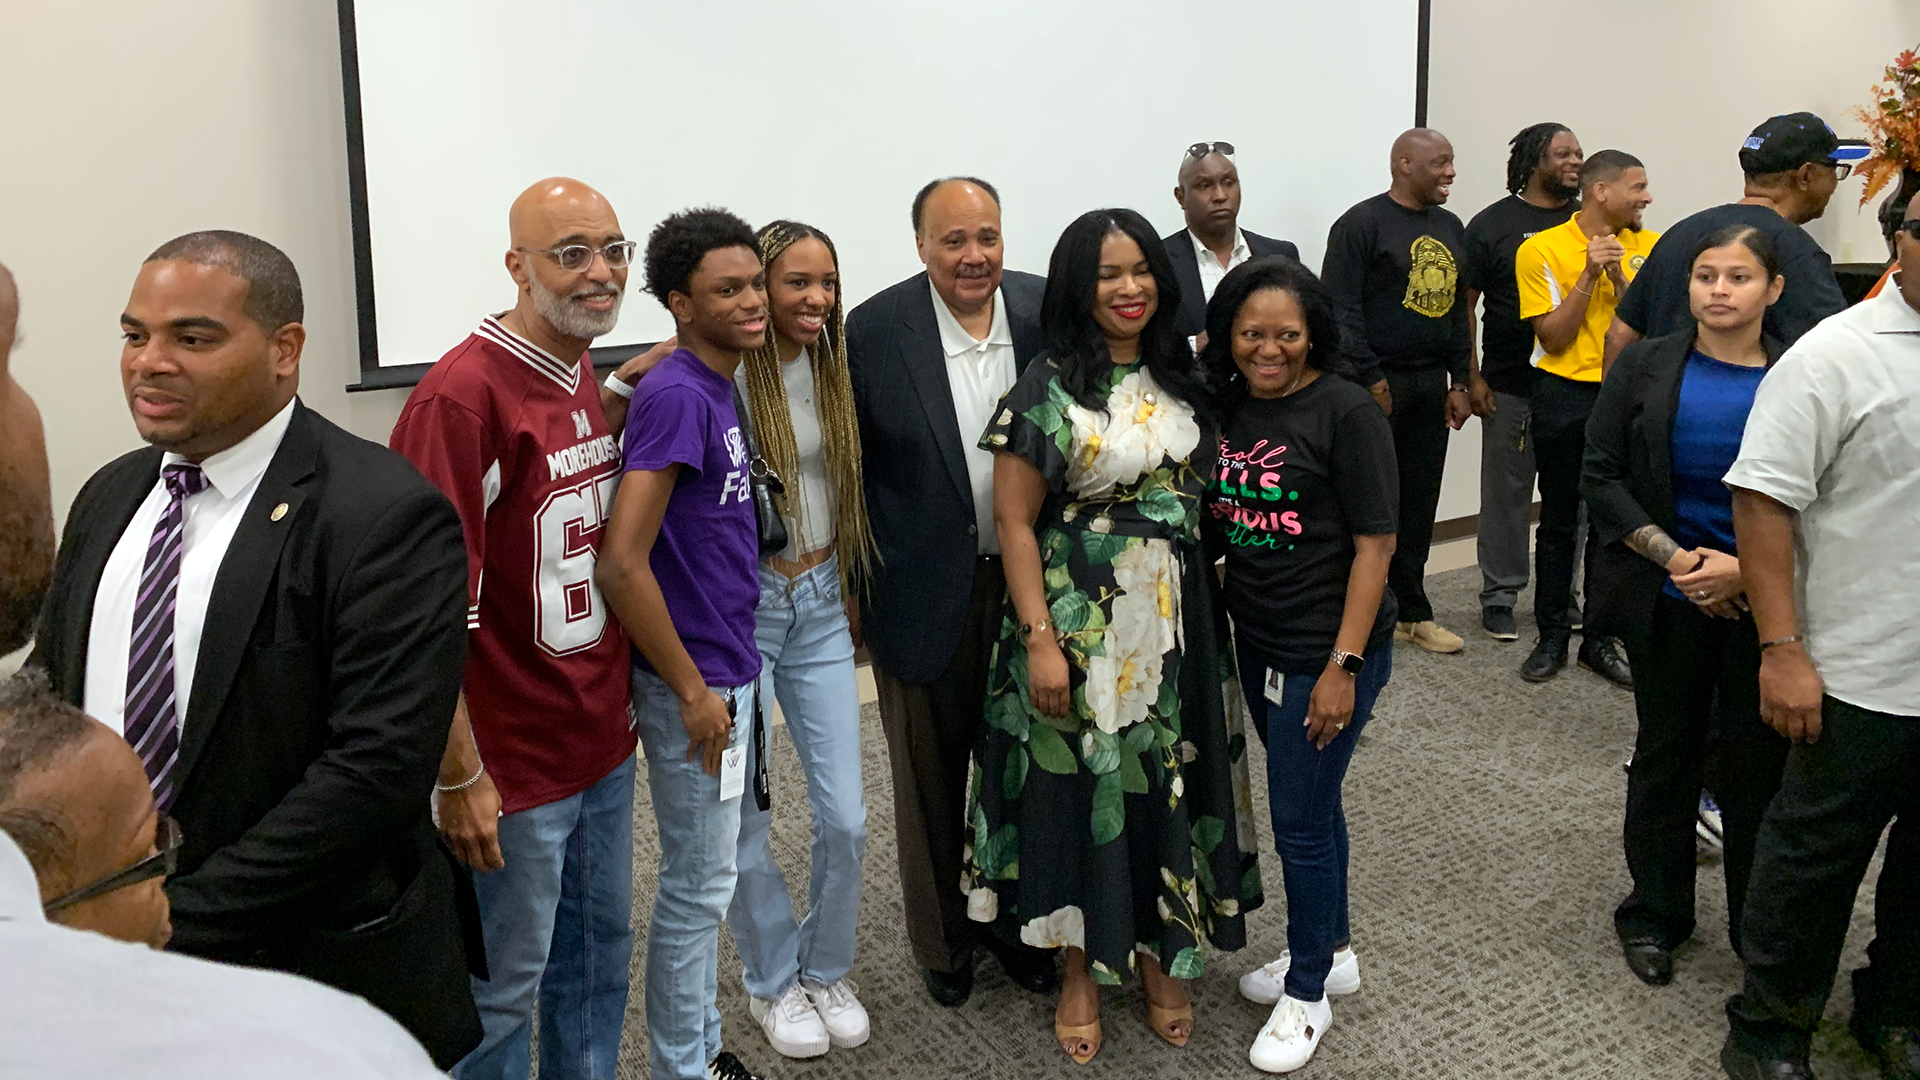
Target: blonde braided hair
[839,427]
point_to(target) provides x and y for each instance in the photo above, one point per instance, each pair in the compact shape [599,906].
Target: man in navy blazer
[1208,191]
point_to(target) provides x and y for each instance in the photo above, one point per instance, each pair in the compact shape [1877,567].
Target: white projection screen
[835,114]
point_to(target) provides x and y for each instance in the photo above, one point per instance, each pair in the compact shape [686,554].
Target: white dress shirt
[1835,434]
[211,516]
[980,373]
[1210,269]
[74,1003]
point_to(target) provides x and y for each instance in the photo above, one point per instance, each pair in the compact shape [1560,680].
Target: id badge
[1276,689]
[733,772]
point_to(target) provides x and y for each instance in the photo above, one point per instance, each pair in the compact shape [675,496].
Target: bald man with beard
[26,505]
[535,792]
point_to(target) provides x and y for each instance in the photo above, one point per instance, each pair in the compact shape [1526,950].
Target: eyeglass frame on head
[166,857]
[618,253]
[1202,149]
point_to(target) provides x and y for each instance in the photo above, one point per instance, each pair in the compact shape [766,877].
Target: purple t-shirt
[708,553]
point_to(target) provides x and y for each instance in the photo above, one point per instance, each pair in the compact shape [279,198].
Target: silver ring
[1339,727]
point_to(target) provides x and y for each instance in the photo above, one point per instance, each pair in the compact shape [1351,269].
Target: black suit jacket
[1186,269]
[919,500]
[1627,477]
[328,670]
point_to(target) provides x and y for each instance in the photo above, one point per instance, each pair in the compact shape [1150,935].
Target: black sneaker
[1605,658]
[1498,623]
[727,1067]
[1546,660]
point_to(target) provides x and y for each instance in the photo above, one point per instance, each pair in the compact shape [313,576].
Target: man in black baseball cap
[1792,164]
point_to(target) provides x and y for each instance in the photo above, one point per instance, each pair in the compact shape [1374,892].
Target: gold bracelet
[1790,639]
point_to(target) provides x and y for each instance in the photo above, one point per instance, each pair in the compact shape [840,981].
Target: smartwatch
[1351,663]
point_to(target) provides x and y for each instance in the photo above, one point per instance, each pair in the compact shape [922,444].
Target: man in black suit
[930,358]
[273,612]
[1208,191]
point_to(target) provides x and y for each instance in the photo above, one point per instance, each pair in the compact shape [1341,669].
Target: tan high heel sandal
[1067,1034]
[1161,1019]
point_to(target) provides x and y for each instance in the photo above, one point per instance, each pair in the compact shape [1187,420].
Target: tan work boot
[1430,636]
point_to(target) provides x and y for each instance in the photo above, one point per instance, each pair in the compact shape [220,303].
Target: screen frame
[605,358]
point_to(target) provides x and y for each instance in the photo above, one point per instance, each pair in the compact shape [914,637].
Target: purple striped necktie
[152,722]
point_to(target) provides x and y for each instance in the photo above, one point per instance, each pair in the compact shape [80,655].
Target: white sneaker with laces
[793,1026]
[1291,1035]
[841,1012]
[1266,983]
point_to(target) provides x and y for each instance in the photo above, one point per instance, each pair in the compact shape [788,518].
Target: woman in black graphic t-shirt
[1304,503]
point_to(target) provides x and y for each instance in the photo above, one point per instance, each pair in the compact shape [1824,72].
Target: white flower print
[1125,681]
[983,905]
[1140,428]
[1064,929]
[1148,580]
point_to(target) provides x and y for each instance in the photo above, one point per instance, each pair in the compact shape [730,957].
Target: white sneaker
[841,1012]
[792,1025]
[1265,984]
[1292,1034]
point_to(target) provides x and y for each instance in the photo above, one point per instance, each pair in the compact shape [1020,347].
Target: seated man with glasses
[83,848]
[536,788]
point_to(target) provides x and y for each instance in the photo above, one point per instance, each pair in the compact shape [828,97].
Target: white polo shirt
[1835,435]
[979,374]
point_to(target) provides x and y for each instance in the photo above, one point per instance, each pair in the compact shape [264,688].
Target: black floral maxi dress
[1127,824]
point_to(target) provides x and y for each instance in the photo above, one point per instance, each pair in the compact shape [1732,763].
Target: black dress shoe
[1741,1065]
[1498,623]
[949,988]
[1604,657]
[1650,961]
[1030,969]
[1545,661]
[1896,1047]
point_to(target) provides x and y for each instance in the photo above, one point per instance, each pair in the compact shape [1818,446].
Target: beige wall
[1677,83]
[130,122]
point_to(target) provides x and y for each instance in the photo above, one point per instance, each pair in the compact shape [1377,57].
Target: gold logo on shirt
[1635,263]
[1430,283]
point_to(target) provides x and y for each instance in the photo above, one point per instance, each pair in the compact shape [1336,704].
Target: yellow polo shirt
[1547,267]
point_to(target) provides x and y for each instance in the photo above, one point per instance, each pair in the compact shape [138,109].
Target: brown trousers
[931,731]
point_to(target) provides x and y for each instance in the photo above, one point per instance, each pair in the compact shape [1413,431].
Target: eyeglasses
[574,258]
[1842,170]
[1911,228]
[1202,149]
[166,841]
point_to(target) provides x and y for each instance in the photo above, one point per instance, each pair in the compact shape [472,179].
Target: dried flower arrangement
[1893,125]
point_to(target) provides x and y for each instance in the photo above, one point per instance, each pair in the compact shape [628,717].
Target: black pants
[931,730]
[1836,796]
[1419,421]
[1559,423]
[1687,663]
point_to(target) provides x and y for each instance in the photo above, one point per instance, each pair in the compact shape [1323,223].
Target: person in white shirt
[1208,191]
[86,992]
[929,359]
[1826,510]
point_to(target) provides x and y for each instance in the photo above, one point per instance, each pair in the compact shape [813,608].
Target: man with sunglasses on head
[535,792]
[1208,191]
[83,916]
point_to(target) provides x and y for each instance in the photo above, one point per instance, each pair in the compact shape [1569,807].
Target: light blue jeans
[699,835]
[806,647]
[558,923]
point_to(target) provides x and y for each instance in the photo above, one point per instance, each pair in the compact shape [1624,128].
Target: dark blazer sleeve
[1267,245]
[398,639]
[1605,482]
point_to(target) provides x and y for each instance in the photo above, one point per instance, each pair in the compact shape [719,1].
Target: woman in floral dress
[1110,806]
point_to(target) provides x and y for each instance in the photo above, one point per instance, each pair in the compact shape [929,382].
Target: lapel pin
[279,512]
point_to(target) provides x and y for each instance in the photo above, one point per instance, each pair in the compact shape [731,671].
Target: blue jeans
[1309,823]
[699,835]
[805,645]
[558,923]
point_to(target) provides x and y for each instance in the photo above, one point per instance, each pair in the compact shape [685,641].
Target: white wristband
[619,386]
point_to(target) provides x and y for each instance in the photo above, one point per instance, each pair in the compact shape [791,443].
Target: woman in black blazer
[1664,431]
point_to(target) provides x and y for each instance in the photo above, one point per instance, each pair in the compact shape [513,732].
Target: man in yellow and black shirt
[1570,279]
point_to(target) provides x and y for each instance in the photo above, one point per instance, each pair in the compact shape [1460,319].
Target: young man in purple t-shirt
[679,567]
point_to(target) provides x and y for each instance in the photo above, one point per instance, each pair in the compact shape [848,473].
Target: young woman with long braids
[801,404]
[1105,787]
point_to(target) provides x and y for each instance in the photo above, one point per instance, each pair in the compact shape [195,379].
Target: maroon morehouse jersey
[518,441]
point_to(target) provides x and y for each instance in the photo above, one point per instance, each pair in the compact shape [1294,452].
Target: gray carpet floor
[1484,816]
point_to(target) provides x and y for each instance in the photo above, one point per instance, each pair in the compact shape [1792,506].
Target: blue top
[1715,398]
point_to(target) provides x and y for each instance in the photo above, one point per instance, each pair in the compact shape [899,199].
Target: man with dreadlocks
[801,402]
[536,786]
[1543,185]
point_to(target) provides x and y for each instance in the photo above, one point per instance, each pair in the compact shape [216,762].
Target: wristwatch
[1027,630]
[1351,663]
